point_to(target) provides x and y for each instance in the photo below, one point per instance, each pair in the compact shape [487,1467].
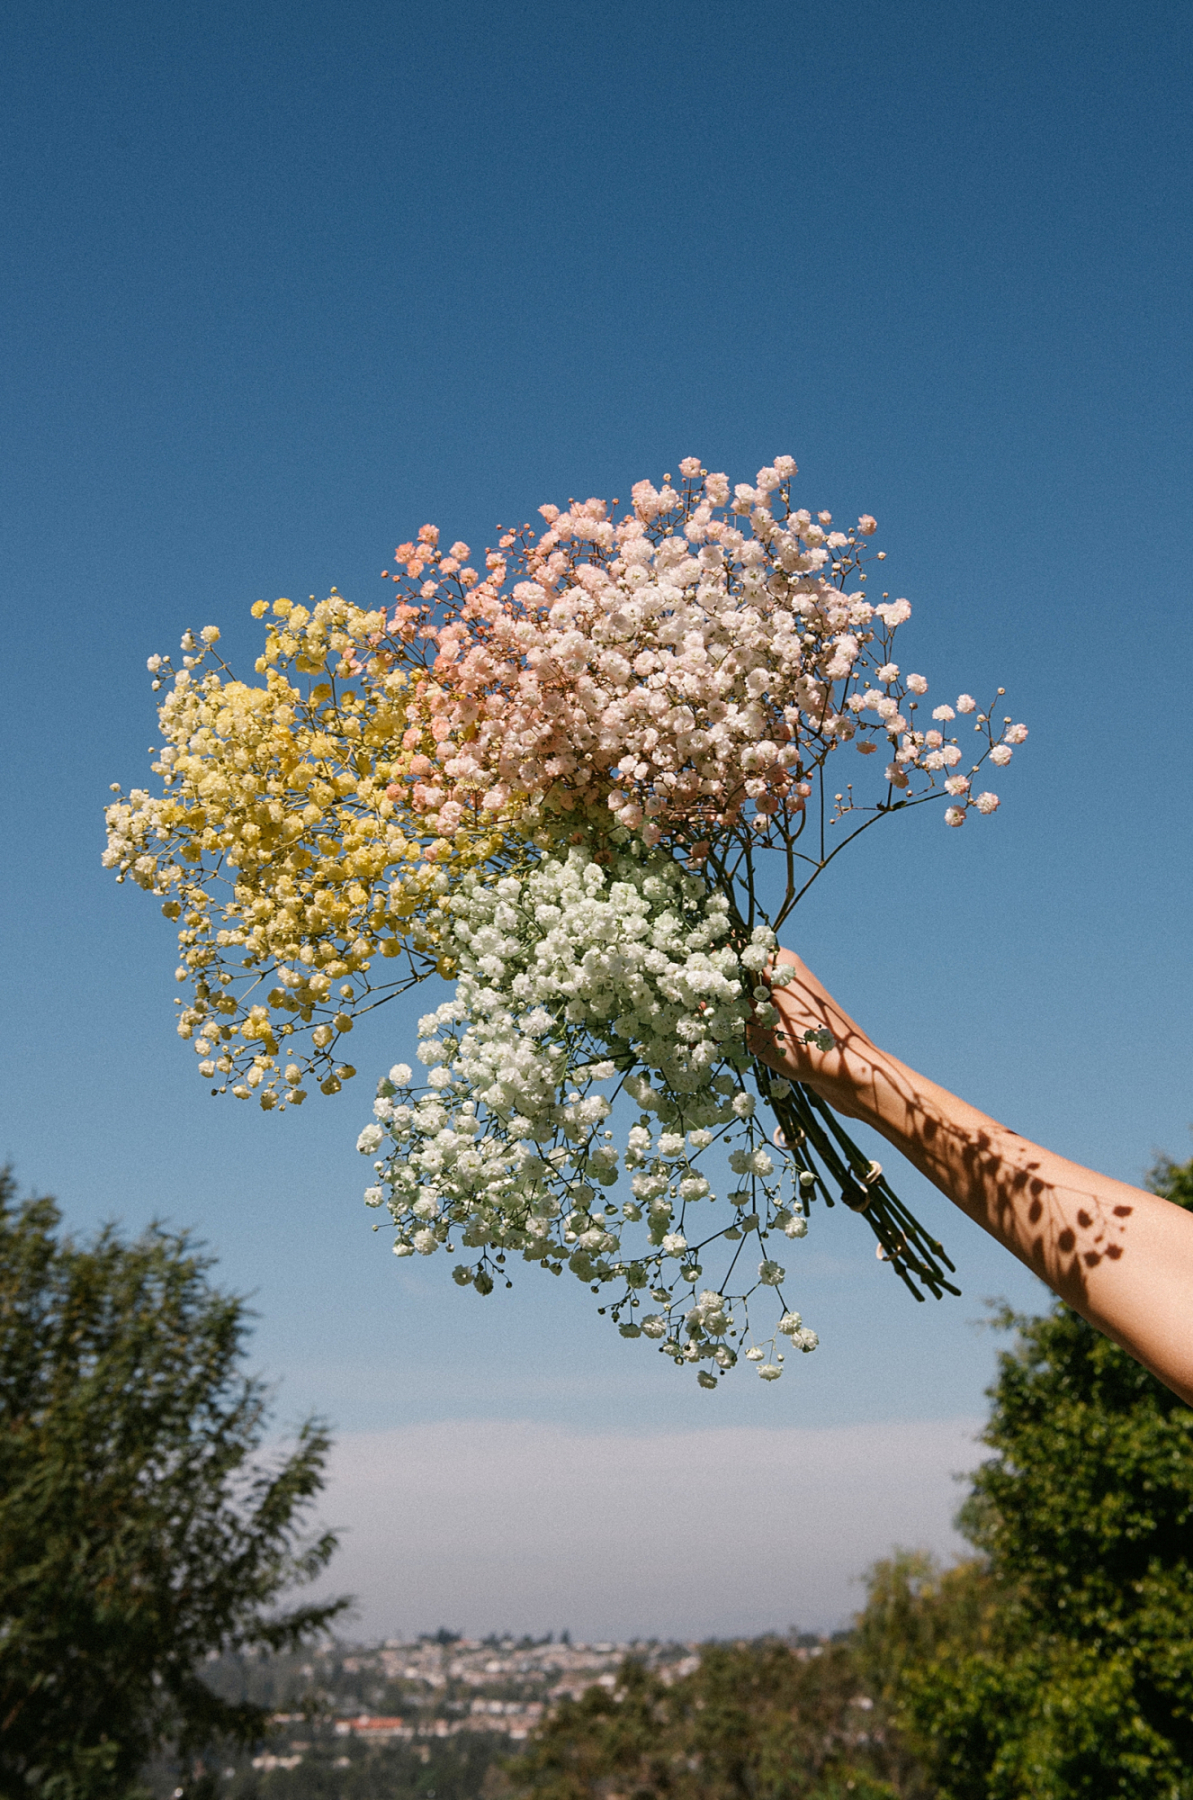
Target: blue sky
[283,282]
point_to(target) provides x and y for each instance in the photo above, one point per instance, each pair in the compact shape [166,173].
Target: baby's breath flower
[589,976]
[280,844]
[550,783]
[689,669]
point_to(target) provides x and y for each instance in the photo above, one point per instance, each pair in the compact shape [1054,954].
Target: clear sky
[283,281]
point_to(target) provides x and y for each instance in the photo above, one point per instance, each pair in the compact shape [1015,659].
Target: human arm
[1118,1255]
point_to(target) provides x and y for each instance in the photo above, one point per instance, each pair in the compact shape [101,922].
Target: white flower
[770,1273]
[770,1371]
[986,803]
[1001,755]
[369,1139]
[557,974]
[966,703]
[954,815]
[710,1312]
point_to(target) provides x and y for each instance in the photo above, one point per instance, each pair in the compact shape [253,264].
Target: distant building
[374,1729]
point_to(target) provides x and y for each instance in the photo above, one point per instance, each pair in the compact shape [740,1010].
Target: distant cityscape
[449,1685]
[337,1704]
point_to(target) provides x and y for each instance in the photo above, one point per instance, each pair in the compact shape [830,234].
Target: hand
[838,1074]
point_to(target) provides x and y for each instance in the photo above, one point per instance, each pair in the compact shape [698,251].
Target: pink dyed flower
[687,667]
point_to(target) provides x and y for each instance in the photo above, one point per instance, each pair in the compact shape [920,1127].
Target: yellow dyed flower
[284,843]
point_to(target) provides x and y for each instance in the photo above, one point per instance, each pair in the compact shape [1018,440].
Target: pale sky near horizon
[283,282]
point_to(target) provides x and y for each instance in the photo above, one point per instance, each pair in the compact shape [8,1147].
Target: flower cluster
[691,667]
[553,778]
[283,847]
[589,989]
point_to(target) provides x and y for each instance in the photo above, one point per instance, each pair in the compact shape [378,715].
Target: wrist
[814,1042]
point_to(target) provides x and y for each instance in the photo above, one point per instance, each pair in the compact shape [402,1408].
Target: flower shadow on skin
[1062,1229]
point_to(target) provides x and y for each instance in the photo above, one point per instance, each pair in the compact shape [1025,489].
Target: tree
[137,1535]
[1064,1667]
[755,1721]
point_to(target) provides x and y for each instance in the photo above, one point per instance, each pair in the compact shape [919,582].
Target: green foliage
[753,1720]
[1173,1180]
[137,1538]
[919,1616]
[1064,1667]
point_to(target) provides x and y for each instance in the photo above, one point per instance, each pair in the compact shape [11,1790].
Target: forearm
[1120,1256]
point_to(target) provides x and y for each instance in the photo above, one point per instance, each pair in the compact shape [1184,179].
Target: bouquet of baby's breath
[571,784]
